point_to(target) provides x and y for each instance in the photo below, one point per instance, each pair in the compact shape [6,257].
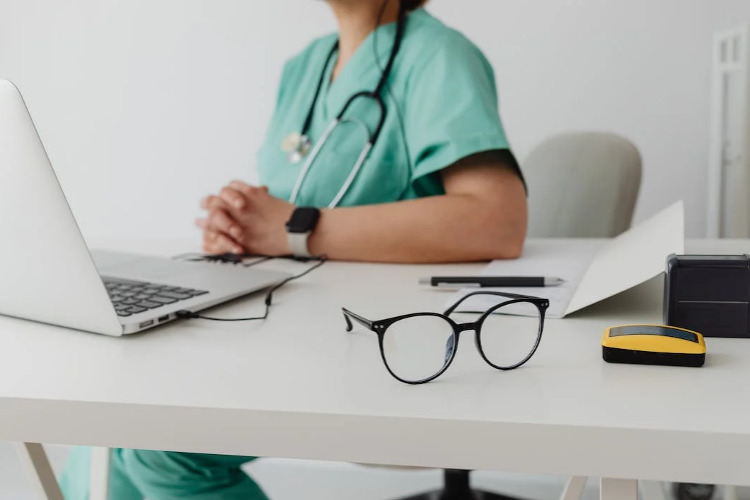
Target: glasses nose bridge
[464,327]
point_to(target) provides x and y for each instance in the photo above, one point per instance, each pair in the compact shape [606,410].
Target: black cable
[268,300]
[224,258]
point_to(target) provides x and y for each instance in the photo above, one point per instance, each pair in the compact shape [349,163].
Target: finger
[220,221]
[212,248]
[233,197]
[209,236]
[217,243]
[205,202]
[209,248]
[227,245]
[213,203]
[243,188]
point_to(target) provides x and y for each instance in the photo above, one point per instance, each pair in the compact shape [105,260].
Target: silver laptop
[47,273]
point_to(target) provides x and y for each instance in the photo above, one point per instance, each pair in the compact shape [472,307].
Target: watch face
[303,220]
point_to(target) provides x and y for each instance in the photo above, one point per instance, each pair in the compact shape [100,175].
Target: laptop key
[174,295]
[121,281]
[136,309]
[124,313]
[163,300]
[148,304]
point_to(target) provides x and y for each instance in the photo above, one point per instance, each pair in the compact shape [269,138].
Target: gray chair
[582,185]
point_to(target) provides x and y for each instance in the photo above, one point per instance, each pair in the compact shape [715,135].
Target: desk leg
[100,463]
[652,490]
[618,489]
[730,492]
[574,488]
[40,474]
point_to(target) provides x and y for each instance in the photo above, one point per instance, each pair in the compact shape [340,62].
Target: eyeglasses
[417,348]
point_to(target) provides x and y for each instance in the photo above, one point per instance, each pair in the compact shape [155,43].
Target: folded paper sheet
[594,269]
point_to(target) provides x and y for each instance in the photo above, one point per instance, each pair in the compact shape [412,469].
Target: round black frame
[381,326]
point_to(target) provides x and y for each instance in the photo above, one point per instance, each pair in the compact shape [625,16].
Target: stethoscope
[297,145]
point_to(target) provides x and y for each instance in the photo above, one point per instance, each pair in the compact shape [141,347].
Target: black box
[709,294]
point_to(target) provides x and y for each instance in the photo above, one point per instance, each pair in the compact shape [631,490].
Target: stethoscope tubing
[340,118]
[381,108]
[310,159]
[314,154]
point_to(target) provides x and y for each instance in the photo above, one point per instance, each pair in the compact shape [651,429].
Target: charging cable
[238,259]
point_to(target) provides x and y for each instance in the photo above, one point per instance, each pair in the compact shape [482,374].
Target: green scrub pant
[163,475]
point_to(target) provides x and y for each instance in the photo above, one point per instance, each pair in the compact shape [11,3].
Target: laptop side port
[162,319]
[146,323]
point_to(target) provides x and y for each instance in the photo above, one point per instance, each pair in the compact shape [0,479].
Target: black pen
[490,281]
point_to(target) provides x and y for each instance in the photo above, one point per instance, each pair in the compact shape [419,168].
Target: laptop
[47,273]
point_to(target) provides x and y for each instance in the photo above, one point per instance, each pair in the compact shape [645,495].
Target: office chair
[580,185]
[456,486]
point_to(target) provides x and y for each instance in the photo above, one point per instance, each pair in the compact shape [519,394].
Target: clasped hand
[245,219]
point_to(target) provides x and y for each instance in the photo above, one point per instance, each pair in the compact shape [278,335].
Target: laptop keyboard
[133,297]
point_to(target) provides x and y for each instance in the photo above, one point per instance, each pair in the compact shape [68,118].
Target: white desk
[297,385]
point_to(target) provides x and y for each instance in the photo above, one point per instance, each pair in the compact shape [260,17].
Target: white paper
[594,269]
[632,258]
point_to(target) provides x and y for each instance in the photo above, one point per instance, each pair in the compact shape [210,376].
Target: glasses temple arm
[497,294]
[349,316]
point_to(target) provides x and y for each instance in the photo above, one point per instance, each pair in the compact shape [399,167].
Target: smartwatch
[299,227]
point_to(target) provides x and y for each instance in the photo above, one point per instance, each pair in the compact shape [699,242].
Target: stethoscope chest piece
[296,146]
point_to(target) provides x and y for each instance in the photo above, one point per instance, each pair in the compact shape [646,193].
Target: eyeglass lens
[509,340]
[418,347]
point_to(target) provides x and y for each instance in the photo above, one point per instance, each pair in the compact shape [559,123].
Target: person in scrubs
[439,184]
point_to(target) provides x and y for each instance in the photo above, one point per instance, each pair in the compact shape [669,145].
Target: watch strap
[298,244]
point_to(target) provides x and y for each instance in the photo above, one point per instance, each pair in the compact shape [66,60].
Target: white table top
[297,385]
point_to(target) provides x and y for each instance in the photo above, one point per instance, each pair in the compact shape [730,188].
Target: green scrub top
[441,106]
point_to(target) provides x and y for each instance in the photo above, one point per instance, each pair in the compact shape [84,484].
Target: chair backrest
[582,185]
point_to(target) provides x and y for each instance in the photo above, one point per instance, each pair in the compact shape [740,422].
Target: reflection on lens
[508,340]
[419,347]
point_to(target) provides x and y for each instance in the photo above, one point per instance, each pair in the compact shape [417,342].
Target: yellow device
[653,345]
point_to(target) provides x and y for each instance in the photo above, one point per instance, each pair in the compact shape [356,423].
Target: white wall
[147,105]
